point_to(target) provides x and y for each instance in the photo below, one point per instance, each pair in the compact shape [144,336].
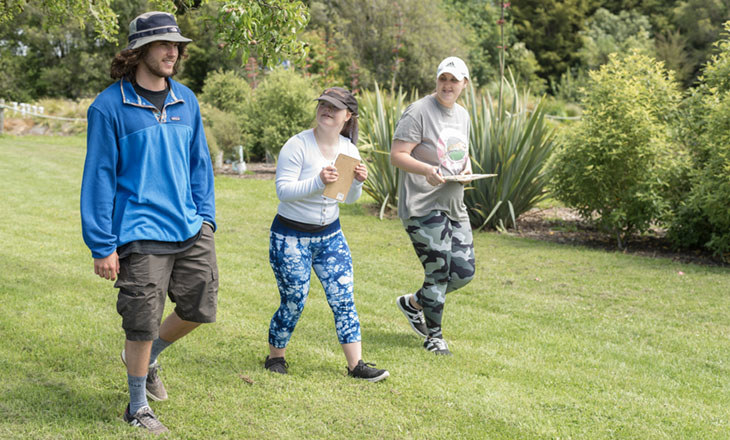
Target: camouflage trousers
[446,250]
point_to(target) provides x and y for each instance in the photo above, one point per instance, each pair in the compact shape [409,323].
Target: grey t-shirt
[442,135]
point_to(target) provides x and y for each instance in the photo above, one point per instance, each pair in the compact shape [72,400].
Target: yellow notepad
[346,170]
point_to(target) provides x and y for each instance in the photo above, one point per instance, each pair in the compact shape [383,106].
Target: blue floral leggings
[292,255]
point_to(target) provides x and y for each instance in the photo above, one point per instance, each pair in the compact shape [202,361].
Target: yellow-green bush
[620,161]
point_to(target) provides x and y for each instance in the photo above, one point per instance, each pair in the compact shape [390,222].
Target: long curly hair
[124,64]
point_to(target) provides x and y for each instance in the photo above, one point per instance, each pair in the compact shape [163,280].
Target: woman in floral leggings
[306,232]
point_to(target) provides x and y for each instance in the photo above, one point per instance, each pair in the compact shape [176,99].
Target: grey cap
[154,26]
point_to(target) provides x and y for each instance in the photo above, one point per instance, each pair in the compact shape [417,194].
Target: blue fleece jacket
[148,174]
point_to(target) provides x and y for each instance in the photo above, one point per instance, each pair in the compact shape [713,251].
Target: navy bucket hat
[154,26]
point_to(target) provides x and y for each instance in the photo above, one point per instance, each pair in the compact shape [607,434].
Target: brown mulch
[564,225]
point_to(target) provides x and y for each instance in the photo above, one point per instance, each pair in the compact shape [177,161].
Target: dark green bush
[514,144]
[379,114]
[703,216]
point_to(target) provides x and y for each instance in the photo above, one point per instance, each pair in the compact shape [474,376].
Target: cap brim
[172,36]
[456,75]
[340,105]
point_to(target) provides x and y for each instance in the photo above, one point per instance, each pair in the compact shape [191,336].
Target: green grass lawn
[549,341]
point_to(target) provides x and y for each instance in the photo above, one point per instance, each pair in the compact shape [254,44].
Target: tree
[700,22]
[551,30]
[607,33]
[266,29]
[49,59]
[405,38]
[479,20]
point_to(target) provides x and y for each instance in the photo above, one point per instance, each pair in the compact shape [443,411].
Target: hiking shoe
[145,418]
[366,371]
[437,346]
[154,387]
[415,316]
[277,365]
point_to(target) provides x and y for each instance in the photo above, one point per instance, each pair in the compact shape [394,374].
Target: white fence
[23,109]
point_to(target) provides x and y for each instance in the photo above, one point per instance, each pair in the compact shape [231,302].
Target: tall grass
[379,114]
[515,143]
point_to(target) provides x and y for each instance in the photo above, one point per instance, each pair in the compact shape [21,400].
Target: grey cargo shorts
[189,278]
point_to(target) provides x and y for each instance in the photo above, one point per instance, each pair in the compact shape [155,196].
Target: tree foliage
[393,42]
[551,30]
[40,57]
[266,29]
[608,33]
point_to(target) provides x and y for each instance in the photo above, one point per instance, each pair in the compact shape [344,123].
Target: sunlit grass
[550,341]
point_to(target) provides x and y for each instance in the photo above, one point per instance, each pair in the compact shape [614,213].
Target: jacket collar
[130,96]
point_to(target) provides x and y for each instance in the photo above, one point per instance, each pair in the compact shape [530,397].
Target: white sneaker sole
[379,378]
[405,313]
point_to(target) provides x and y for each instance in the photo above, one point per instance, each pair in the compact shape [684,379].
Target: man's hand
[107,267]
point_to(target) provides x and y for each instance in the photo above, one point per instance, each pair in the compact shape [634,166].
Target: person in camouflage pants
[446,250]
[431,150]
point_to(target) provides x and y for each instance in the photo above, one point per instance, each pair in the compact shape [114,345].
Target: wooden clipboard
[346,169]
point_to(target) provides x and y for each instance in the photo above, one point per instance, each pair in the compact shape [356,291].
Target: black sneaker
[145,418]
[277,365]
[415,316]
[437,346]
[153,386]
[366,371]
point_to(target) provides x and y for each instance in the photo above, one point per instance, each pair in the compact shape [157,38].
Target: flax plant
[513,142]
[379,114]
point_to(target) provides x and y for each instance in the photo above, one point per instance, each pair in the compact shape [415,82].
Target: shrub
[379,114]
[619,161]
[227,91]
[703,218]
[283,105]
[514,143]
[223,131]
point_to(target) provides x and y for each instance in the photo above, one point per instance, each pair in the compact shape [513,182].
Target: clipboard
[467,177]
[346,169]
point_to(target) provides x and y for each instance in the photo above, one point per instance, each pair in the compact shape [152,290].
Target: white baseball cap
[455,66]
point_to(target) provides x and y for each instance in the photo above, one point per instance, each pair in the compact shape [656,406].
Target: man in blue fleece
[148,206]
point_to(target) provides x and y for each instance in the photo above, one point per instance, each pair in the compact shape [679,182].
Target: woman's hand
[467,170]
[433,176]
[328,174]
[361,172]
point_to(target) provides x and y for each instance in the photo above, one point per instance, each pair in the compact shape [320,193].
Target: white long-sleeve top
[299,186]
